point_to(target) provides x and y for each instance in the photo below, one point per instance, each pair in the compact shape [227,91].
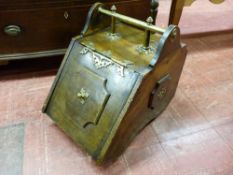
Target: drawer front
[88,99]
[41,29]
[38,30]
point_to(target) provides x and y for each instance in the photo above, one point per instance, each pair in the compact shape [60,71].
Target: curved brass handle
[131,21]
[12,30]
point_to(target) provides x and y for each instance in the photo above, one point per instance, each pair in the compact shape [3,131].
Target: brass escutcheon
[66,15]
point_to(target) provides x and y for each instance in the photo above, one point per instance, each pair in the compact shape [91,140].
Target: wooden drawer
[41,29]
[48,31]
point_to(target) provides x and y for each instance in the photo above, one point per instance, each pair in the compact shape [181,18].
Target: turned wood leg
[176,11]
[177,8]
[154,9]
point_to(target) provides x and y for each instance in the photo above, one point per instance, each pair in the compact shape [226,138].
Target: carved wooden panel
[89,97]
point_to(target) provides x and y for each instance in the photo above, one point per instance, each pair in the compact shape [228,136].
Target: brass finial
[149,21]
[113,22]
[113,8]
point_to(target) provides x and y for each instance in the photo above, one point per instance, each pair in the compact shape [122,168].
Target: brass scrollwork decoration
[103,62]
[100,62]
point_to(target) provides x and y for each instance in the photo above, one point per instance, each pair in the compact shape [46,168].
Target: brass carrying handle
[131,21]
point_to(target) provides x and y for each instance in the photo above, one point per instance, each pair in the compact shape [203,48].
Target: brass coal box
[117,75]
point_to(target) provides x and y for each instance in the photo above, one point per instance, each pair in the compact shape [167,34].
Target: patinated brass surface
[108,88]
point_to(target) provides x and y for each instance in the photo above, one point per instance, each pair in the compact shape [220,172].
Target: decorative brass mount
[82,95]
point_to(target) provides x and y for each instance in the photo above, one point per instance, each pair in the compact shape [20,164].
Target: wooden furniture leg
[154,9]
[176,11]
[177,8]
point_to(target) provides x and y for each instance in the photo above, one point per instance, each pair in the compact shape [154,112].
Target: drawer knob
[12,30]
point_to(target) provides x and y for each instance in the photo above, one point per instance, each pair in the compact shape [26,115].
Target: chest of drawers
[32,28]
